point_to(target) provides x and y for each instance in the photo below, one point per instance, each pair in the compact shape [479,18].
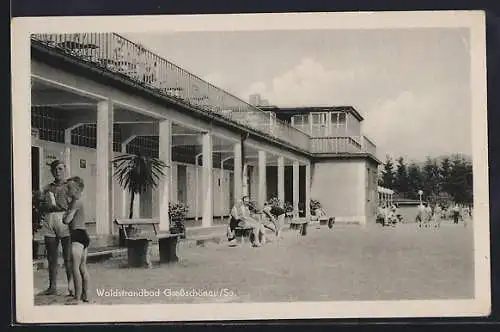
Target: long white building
[98,95]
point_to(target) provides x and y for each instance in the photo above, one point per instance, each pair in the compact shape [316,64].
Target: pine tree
[415,180]
[388,173]
[401,184]
[461,180]
[431,179]
[445,173]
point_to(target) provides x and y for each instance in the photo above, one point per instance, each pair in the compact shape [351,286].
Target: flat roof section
[309,109]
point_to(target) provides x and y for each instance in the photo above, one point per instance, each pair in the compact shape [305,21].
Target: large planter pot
[122,241]
[177,226]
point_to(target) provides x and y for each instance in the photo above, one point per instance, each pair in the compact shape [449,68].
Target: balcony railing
[118,55]
[121,56]
[342,144]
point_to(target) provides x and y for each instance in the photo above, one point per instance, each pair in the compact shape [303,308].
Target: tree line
[448,178]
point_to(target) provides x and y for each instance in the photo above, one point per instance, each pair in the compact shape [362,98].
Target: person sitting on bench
[240,216]
[273,213]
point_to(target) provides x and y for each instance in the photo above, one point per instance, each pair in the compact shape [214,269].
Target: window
[334,118]
[341,119]
[300,119]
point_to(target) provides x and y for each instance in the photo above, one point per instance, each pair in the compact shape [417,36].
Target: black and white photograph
[249,167]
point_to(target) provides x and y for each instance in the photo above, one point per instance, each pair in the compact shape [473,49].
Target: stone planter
[177,226]
[139,252]
[122,242]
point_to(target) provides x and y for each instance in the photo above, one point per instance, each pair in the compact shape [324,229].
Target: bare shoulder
[78,205]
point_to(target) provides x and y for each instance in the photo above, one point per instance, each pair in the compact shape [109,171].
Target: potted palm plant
[177,213]
[136,173]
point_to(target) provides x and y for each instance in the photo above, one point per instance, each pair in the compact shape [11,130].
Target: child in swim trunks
[79,239]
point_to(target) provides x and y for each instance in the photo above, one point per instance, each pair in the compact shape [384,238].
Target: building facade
[98,95]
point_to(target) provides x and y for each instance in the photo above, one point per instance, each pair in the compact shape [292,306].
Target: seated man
[380,214]
[240,216]
[391,216]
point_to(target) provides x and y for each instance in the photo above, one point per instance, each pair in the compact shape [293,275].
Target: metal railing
[369,146]
[342,144]
[120,56]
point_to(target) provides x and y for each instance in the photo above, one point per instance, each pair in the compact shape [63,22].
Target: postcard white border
[27,312]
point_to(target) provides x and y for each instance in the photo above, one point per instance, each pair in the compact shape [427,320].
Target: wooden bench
[323,219]
[139,245]
[300,224]
[327,221]
[243,232]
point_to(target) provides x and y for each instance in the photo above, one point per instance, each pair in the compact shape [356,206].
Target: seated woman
[273,213]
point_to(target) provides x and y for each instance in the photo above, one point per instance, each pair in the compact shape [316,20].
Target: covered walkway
[90,104]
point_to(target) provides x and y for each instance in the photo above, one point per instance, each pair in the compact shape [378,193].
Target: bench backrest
[139,221]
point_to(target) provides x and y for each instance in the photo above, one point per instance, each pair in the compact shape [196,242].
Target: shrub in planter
[177,213]
[277,207]
[288,207]
[314,205]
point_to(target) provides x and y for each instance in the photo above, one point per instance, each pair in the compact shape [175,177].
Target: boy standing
[79,240]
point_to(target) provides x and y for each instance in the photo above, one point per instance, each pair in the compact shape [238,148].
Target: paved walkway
[348,263]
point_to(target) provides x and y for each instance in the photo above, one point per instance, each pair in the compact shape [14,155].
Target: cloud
[216,79]
[308,83]
[416,125]
[402,118]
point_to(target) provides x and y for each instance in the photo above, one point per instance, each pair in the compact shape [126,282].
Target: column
[281,179]
[67,151]
[246,180]
[238,172]
[308,191]
[104,195]
[197,187]
[206,183]
[124,204]
[296,188]
[262,195]
[165,154]
[136,208]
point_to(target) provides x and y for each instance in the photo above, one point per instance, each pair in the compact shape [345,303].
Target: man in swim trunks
[54,204]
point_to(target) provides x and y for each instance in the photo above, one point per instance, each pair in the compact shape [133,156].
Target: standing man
[54,204]
[420,215]
[456,213]
[427,215]
[437,216]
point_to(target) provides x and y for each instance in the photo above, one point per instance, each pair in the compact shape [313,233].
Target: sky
[412,86]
